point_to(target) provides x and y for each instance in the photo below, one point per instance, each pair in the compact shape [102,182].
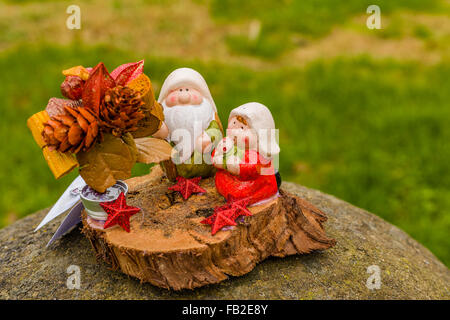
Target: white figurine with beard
[191,122]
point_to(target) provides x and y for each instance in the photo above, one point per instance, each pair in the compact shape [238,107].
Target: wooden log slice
[169,247]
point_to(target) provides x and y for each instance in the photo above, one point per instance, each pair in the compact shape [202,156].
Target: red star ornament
[221,220]
[228,213]
[119,212]
[239,207]
[186,187]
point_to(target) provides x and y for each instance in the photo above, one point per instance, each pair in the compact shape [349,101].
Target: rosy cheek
[171,100]
[196,99]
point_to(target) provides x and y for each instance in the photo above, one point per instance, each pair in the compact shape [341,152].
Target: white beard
[186,123]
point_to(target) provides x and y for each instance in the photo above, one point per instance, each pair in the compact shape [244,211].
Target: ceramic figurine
[191,123]
[244,157]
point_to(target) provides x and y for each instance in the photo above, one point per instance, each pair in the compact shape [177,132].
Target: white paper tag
[68,199]
[69,222]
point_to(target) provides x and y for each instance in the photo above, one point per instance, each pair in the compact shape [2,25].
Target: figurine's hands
[224,146]
[163,132]
[233,165]
[217,161]
[203,143]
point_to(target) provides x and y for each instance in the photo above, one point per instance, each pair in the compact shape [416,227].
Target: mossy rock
[407,269]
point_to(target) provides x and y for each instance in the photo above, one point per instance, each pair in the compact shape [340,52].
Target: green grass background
[374,132]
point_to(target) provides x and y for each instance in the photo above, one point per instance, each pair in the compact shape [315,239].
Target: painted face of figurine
[183,96]
[186,108]
[187,114]
[244,136]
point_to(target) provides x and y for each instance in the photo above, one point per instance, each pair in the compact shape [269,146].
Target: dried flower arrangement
[101,124]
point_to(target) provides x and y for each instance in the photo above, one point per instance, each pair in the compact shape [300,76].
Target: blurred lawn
[371,131]
[308,19]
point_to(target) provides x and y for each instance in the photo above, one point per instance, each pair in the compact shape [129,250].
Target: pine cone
[121,110]
[71,132]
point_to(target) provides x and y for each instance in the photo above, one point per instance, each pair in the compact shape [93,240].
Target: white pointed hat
[259,118]
[185,77]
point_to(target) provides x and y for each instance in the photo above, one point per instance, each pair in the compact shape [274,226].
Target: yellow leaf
[59,163]
[78,71]
[106,162]
[153,111]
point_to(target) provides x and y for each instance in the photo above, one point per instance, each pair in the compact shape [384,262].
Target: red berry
[72,87]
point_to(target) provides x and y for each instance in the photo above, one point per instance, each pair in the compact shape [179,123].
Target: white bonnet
[185,77]
[259,118]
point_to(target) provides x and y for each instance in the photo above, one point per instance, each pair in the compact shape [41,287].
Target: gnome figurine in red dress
[244,158]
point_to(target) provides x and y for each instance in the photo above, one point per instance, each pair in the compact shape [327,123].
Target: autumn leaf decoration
[97,122]
[96,85]
[126,73]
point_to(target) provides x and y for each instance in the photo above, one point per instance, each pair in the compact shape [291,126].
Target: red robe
[249,183]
